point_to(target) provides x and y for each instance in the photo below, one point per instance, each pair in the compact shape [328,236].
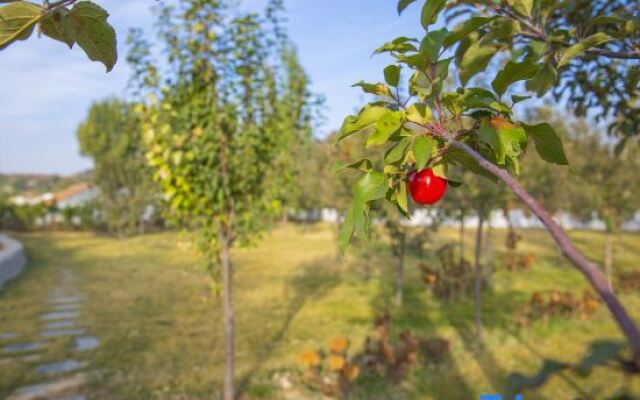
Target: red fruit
[426,188]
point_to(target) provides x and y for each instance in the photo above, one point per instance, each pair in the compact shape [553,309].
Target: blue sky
[46,88]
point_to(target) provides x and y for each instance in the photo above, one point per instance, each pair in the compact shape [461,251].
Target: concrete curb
[12,259]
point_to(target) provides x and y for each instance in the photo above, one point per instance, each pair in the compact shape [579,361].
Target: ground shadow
[314,280]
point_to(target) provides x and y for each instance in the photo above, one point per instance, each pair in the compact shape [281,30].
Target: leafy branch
[470,128]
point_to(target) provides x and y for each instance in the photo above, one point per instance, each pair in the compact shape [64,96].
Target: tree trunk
[337,232]
[227,277]
[608,258]
[588,269]
[489,254]
[461,237]
[477,280]
[400,270]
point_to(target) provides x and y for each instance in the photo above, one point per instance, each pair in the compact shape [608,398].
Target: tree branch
[588,269]
[536,33]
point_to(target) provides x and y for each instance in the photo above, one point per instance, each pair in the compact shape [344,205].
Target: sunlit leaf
[419,113]
[574,51]
[398,45]
[378,89]
[17,20]
[386,126]
[368,116]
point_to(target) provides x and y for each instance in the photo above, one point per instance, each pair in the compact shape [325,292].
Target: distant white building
[517,218]
[31,199]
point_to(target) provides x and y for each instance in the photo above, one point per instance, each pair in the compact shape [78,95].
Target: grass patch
[159,320]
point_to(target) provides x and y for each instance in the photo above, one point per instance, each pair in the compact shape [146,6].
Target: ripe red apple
[426,188]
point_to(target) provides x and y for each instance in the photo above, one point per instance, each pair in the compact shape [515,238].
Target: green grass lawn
[153,307]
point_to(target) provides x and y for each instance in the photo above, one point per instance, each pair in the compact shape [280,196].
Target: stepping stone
[8,335]
[61,387]
[7,361]
[62,332]
[22,347]
[31,358]
[65,295]
[64,299]
[67,307]
[60,367]
[85,343]
[59,315]
[63,323]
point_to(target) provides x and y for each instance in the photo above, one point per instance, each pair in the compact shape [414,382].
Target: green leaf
[386,126]
[348,226]
[547,142]
[430,12]
[465,29]
[432,43]
[397,152]
[514,72]
[94,34]
[476,98]
[378,89]
[507,140]
[392,75]
[59,27]
[401,199]
[419,113]
[368,116]
[398,45]
[17,20]
[592,41]
[523,7]
[363,165]
[515,99]
[370,187]
[474,59]
[467,162]
[543,80]
[423,149]
[403,4]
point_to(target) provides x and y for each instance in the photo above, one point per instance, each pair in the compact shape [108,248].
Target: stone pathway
[62,379]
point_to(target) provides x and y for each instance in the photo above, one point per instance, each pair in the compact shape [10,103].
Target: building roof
[71,191]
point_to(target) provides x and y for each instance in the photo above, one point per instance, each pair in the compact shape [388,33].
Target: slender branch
[536,33]
[588,269]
